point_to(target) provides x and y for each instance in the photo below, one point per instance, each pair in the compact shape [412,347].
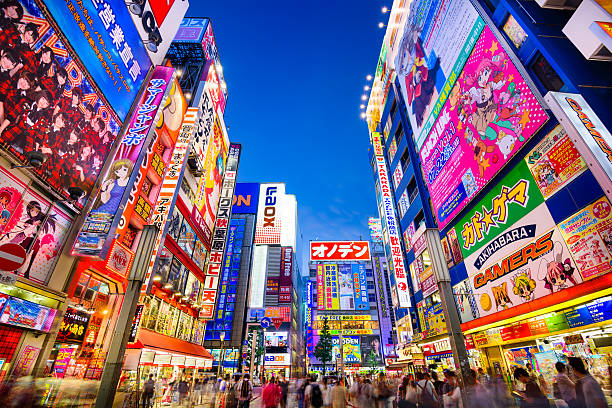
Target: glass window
[186,238]
[545,73]
[175,223]
[515,32]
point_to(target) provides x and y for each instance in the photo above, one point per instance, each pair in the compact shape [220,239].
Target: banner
[285,282]
[345,279]
[375,228]
[320,288]
[269,223]
[332,294]
[360,287]
[489,115]
[371,351]
[99,226]
[246,198]
[437,39]
[588,234]
[555,162]
[339,251]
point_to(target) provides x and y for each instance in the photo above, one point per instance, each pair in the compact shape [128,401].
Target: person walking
[325,392]
[183,390]
[148,392]
[451,394]
[406,394]
[382,390]
[366,397]
[338,395]
[314,395]
[588,391]
[564,388]
[270,396]
[426,393]
[533,397]
[284,386]
[244,390]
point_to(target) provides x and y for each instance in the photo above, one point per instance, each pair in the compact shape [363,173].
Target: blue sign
[579,316]
[360,287]
[265,322]
[246,198]
[104,37]
[601,309]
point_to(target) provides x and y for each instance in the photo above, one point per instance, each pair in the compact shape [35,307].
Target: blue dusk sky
[295,73]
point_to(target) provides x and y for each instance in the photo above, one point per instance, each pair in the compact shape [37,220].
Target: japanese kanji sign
[339,251]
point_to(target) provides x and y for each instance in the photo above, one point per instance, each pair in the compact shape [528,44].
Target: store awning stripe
[161,342]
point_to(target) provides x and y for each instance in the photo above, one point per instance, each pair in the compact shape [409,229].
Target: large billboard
[269,222]
[332,294]
[489,115]
[376,227]
[371,351]
[49,105]
[246,198]
[98,228]
[339,251]
[320,288]
[437,39]
[360,287]
[105,39]
[345,282]
[285,283]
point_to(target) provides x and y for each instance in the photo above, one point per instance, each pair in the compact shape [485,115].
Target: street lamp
[222,335]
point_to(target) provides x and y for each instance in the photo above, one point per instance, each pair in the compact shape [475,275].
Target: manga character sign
[489,115]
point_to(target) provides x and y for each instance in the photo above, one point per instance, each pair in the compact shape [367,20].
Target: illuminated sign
[74,326]
[246,198]
[284,282]
[339,251]
[268,229]
[282,359]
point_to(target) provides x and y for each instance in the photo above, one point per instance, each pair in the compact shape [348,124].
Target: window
[515,32]
[393,110]
[419,219]
[491,4]
[412,190]
[404,204]
[387,128]
[399,133]
[392,150]
[550,80]
[398,173]
[405,160]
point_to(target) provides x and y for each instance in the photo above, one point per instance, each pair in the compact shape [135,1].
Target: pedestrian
[315,395]
[483,377]
[382,391]
[355,391]
[366,396]
[533,397]
[325,392]
[183,390]
[301,391]
[437,383]
[564,388]
[270,396]
[196,395]
[476,393]
[588,391]
[406,394]
[284,386]
[426,392]
[148,392]
[532,373]
[244,389]
[451,394]
[338,395]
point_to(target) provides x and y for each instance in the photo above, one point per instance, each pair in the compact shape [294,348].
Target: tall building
[486,133]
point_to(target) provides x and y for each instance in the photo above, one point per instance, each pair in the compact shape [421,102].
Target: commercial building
[496,139]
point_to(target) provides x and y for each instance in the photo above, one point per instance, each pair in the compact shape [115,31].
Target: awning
[155,341]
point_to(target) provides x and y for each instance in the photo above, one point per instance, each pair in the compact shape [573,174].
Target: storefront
[438,355]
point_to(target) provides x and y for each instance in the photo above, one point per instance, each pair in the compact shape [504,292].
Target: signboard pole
[116,351]
[451,314]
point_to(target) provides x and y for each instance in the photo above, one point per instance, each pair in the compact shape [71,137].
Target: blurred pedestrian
[588,391]
[564,388]
[533,397]
[426,393]
[382,391]
[284,386]
[451,394]
[338,394]
[183,390]
[477,394]
[406,394]
[270,396]
[148,392]
[437,383]
[244,389]
[366,395]
[483,377]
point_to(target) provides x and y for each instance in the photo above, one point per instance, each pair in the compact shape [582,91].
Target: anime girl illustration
[481,150]
[114,186]
[45,245]
[545,174]
[524,285]
[24,232]
[9,200]
[556,273]
[500,294]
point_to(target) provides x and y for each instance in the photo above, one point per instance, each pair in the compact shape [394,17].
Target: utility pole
[451,314]
[114,359]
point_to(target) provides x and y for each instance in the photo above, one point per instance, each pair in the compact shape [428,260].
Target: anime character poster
[48,105]
[555,162]
[437,38]
[345,280]
[26,219]
[371,350]
[489,115]
[588,234]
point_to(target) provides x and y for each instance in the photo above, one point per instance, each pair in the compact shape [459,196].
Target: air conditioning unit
[580,30]
[559,4]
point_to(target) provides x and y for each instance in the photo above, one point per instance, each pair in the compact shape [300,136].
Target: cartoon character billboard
[490,114]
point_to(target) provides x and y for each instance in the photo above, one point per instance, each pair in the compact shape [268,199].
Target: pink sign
[26,360]
[62,361]
[490,114]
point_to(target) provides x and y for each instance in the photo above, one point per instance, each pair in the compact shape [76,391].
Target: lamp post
[222,335]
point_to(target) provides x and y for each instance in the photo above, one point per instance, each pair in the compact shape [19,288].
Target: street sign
[265,322]
[12,256]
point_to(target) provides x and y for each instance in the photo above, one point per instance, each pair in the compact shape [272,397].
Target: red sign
[516,331]
[12,256]
[120,258]
[538,327]
[339,251]
[469,342]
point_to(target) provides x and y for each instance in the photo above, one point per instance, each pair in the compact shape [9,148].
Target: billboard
[360,287]
[437,39]
[489,115]
[375,229]
[285,282]
[371,351]
[555,162]
[320,288]
[588,234]
[269,221]
[246,198]
[345,282]
[99,225]
[350,348]
[332,294]
[339,251]
[108,45]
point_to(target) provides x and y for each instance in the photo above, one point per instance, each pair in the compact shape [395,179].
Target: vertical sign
[224,213]
[320,288]
[284,283]
[358,289]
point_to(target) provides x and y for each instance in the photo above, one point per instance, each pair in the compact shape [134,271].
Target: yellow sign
[348,332]
[344,317]
[378,150]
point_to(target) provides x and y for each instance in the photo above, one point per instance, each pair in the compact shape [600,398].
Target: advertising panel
[74,326]
[466,302]
[23,366]
[283,359]
[555,162]
[339,251]
[21,213]
[427,282]
[437,39]
[108,45]
[19,312]
[62,360]
[393,234]
[345,279]
[539,268]
[360,287]
[588,234]
[284,281]
[56,111]
[371,351]
[209,187]
[320,288]
[269,223]
[98,228]
[271,286]
[276,342]
[510,200]
[375,229]
[350,349]
[246,198]
[332,295]
[489,115]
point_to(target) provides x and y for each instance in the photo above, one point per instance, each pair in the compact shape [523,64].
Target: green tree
[371,361]
[323,349]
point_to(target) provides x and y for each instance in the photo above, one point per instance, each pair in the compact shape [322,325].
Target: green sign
[510,200]
[556,322]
